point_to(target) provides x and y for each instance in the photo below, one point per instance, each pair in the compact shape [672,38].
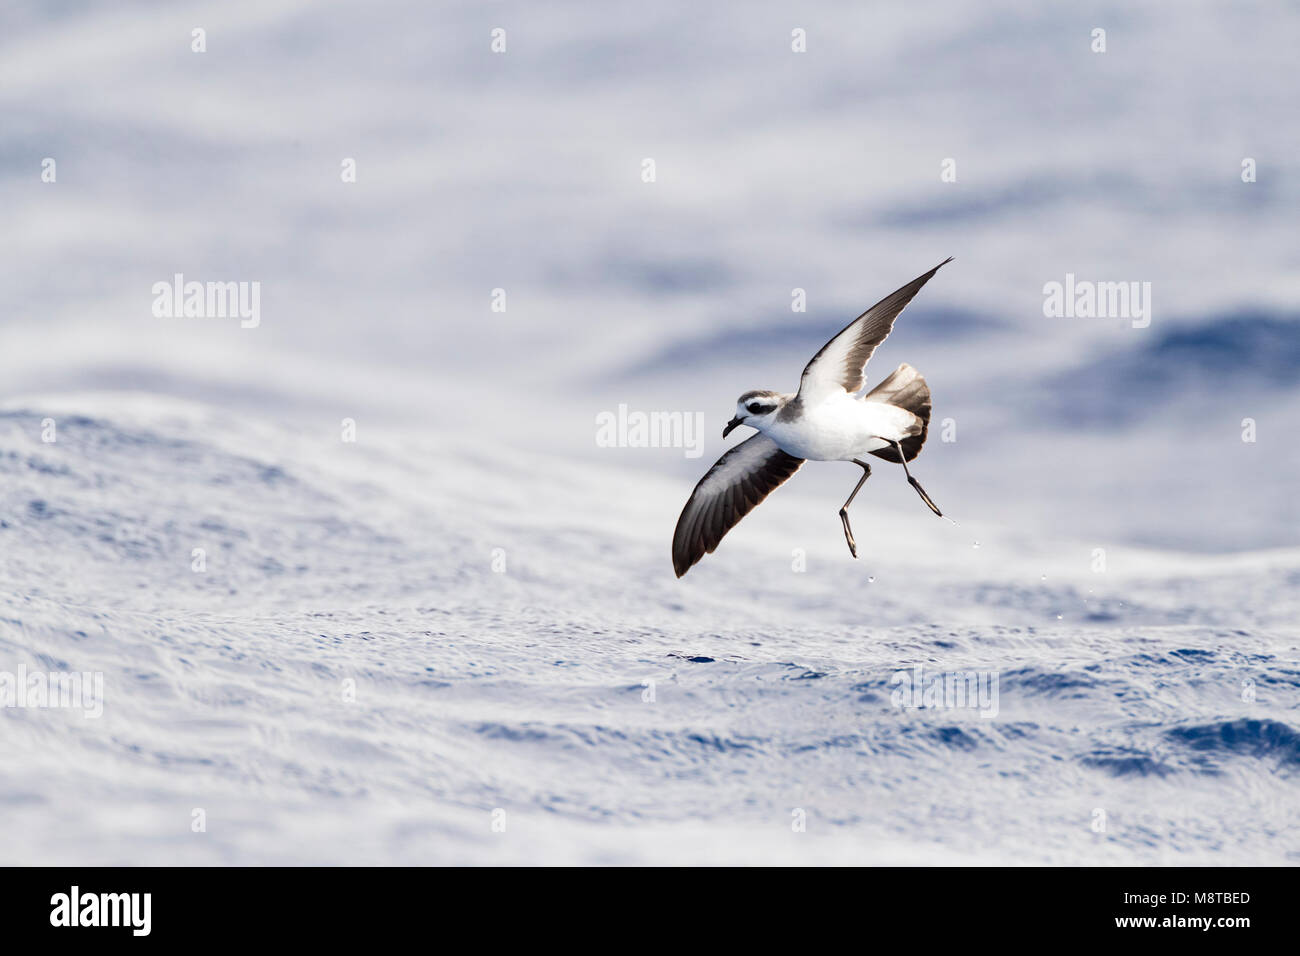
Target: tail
[906,389]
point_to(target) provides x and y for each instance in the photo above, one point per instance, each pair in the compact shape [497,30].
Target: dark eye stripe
[760,409]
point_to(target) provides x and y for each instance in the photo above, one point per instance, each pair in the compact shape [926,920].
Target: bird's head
[756,409]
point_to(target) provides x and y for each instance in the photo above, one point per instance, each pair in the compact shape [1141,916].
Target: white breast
[842,428]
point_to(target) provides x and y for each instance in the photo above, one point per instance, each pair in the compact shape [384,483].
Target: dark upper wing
[841,362]
[730,490]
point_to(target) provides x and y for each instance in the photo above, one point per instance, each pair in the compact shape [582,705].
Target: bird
[825,420]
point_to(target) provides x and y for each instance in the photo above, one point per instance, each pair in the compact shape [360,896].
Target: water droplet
[1043,578]
[1058,617]
[976,545]
[871,579]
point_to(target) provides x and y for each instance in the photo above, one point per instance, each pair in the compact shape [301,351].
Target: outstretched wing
[731,489]
[842,361]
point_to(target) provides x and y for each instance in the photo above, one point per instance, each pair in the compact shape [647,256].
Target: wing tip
[681,543]
[685,554]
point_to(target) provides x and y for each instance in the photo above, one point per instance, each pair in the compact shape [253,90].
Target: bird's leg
[844,512]
[912,481]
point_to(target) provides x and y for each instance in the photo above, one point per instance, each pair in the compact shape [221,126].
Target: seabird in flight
[824,421]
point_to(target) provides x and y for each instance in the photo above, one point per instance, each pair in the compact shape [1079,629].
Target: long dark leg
[844,512]
[913,482]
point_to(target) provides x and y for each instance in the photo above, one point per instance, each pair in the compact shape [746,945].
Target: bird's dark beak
[731,426]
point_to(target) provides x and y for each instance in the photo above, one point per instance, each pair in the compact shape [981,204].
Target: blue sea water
[380,653]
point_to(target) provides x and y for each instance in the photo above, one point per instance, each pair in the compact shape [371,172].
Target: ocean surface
[361,584]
